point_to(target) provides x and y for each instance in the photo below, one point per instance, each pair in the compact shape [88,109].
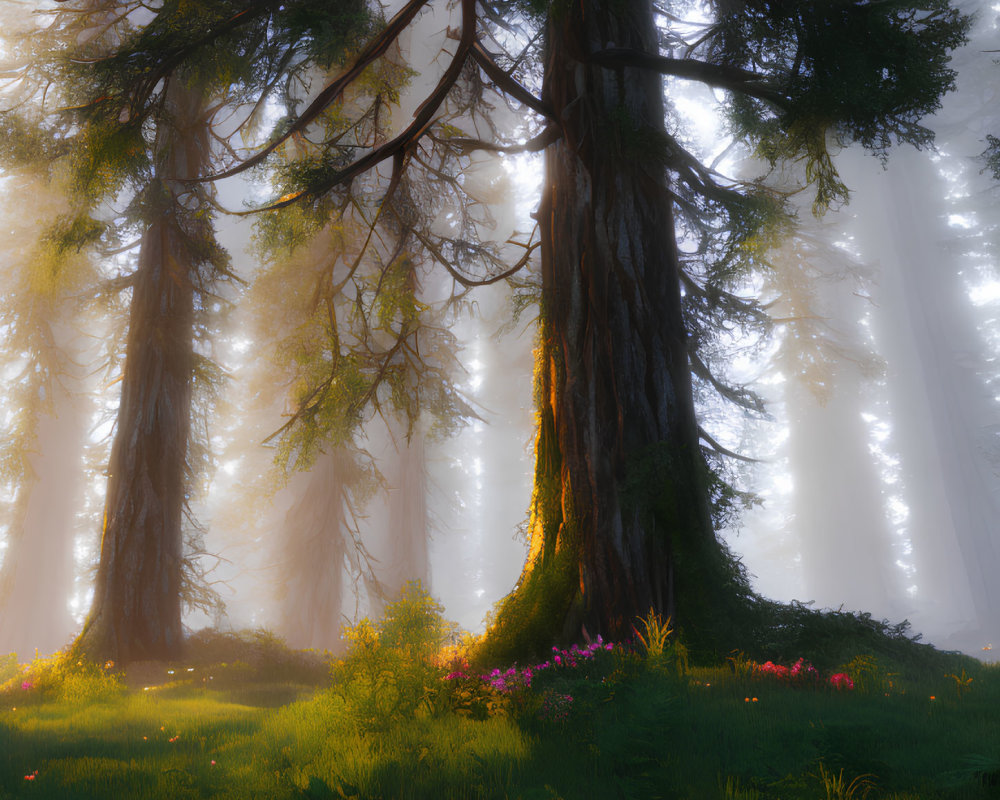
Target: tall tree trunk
[620,517]
[136,611]
[36,576]
[313,553]
[408,529]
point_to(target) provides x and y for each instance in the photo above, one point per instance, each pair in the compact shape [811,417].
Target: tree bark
[313,554]
[620,517]
[136,611]
[408,559]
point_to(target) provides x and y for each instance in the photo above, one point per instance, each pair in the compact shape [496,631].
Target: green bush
[868,674]
[84,683]
[62,679]
[391,667]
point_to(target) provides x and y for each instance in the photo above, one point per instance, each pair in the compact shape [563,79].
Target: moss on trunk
[620,515]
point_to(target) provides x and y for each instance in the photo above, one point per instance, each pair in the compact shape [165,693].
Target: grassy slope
[389,726]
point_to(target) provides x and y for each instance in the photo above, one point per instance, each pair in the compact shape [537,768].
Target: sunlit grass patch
[404,716]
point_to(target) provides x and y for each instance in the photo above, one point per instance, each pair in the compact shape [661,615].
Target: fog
[890,447]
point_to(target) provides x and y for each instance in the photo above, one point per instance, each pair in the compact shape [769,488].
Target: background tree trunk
[136,612]
[313,554]
[36,576]
[620,517]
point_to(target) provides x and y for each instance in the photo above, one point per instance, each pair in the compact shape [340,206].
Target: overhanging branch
[375,48]
[506,82]
[534,145]
[398,147]
[723,77]
[725,451]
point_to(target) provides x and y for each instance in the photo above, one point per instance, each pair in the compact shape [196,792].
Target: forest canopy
[129,115]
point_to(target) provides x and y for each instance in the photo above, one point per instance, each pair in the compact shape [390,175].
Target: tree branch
[507,83]
[534,145]
[375,48]
[396,148]
[732,78]
[723,451]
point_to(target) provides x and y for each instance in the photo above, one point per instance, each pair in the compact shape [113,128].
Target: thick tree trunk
[620,517]
[136,611]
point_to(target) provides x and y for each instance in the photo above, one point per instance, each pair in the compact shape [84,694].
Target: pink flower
[27,685]
[774,669]
[841,680]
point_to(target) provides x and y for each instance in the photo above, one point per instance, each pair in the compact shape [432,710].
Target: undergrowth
[405,715]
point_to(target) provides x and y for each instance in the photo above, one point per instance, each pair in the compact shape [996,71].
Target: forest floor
[245,717]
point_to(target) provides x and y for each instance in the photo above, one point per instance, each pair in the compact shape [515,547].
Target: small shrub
[963,683]
[265,656]
[390,670]
[90,683]
[661,651]
[731,790]
[63,679]
[837,787]
[657,632]
[867,675]
[475,698]
[741,664]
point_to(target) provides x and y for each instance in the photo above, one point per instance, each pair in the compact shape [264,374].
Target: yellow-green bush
[391,668]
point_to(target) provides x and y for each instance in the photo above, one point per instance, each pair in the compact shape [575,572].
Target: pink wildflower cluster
[802,672]
[515,678]
[841,680]
[27,686]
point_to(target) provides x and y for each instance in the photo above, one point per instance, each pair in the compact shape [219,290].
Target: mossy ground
[245,717]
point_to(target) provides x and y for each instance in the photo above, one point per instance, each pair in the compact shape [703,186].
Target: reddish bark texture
[136,611]
[620,488]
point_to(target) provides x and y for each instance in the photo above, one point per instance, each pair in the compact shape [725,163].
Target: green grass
[634,731]
[383,722]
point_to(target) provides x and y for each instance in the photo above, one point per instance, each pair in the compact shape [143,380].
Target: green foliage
[869,71]
[661,651]
[869,675]
[65,680]
[963,683]
[23,144]
[390,670]
[476,699]
[784,632]
[265,656]
[654,642]
[837,787]
[731,790]
[359,340]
